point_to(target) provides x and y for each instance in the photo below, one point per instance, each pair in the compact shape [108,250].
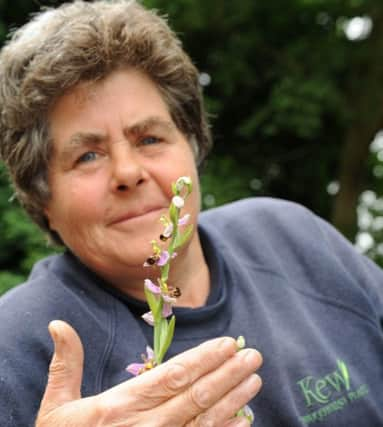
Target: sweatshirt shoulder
[35,288]
[27,309]
[253,212]
[260,231]
[308,252]
[260,204]
[57,288]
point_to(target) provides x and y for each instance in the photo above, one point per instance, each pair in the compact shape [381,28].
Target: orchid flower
[167,294]
[139,368]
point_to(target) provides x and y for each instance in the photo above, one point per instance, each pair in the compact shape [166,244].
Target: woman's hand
[204,386]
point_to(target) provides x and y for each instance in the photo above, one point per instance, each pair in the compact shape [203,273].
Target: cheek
[76,204]
[184,165]
[195,199]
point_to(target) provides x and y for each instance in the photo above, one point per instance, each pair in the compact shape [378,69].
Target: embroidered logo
[329,393]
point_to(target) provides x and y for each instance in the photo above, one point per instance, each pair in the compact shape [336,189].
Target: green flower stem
[164,329]
[165,269]
[157,328]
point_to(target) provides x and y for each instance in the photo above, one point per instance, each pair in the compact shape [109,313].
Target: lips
[134,214]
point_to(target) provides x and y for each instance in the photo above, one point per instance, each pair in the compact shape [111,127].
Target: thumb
[65,370]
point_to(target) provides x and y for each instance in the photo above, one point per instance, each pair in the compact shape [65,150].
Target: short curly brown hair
[85,41]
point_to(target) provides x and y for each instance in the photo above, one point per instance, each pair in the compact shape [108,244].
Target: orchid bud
[178,202]
[241,342]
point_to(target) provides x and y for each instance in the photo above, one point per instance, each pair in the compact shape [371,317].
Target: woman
[101,112]
[108,115]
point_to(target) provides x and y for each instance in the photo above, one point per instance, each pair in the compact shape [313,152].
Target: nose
[127,171]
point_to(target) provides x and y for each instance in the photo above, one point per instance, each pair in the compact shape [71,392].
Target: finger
[172,377]
[206,393]
[237,422]
[65,370]
[231,403]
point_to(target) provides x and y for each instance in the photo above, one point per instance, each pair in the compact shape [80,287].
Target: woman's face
[116,152]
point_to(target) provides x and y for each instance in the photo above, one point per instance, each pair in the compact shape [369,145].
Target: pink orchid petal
[184,220]
[167,310]
[154,289]
[164,258]
[169,300]
[149,353]
[148,317]
[135,368]
[168,230]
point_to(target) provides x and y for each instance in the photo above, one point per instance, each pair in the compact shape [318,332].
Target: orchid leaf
[163,329]
[156,341]
[168,338]
[182,238]
[160,329]
[153,302]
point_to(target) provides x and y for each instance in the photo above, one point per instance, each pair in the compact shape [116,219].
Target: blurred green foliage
[284,87]
[22,244]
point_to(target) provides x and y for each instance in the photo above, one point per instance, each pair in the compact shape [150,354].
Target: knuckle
[200,397]
[167,421]
[205,420]
[176,378]
[57,367]
[103,407]
[109,411]
[44,420]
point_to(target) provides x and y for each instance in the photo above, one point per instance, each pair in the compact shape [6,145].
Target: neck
[189,272]
[192,276]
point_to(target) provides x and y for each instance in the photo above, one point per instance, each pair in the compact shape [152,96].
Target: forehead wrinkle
[85,138]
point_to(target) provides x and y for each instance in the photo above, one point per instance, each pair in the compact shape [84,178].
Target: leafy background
[294,89]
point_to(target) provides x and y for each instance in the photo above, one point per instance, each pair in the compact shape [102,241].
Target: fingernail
[227,344]
[56,332]
[242,422]
[254,381]
[52,327]
[250,355]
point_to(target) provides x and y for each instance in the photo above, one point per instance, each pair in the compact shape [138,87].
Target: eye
[87,157]
[150,140]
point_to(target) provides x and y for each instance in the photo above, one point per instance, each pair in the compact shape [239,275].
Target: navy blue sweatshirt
[281,277]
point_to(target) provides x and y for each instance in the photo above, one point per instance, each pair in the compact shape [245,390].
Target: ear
[48,216]
[194,146]
[46,211]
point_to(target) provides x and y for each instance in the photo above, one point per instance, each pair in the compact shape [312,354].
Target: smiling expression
[116,151]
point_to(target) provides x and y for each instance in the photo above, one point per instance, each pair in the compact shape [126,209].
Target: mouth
[131,216]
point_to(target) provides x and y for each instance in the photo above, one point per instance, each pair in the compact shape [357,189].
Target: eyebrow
[147,124]
[80,139]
